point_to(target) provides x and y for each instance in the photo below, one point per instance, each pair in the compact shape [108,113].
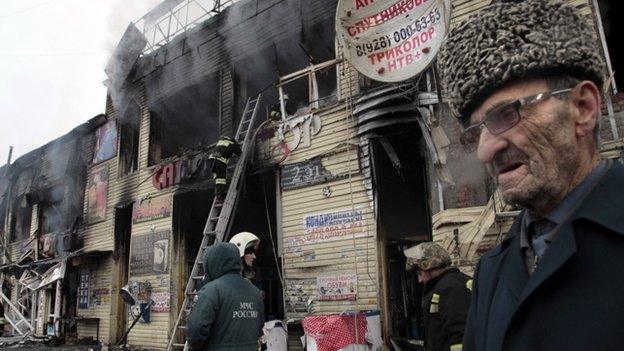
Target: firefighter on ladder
[220,156]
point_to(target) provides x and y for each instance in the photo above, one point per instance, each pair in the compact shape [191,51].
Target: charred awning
[53,274]
[390,105]
[393,105]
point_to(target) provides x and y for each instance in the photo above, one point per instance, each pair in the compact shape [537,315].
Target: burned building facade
[346,173]
[43,197]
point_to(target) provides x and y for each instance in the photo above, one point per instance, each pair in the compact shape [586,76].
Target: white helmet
[243,240]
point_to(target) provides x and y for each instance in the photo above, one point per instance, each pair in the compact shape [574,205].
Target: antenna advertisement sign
[392,40]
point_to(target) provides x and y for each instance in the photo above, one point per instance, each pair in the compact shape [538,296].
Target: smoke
[473,185]
[265,40]
[121,14]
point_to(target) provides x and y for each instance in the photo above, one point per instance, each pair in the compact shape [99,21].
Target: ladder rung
[198,277]
[181,326]
[192,293]
[214,218]
[178,345]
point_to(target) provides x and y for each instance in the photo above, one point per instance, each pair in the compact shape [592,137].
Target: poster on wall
[149,253]
[329,226]
[161,302]
[105,142]
[97,193]
[151,209]
[337,287]
[100,296]
[83,289]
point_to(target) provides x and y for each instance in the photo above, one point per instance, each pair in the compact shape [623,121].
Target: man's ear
[586,100]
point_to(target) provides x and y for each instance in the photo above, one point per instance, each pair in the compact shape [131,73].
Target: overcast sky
[52,62]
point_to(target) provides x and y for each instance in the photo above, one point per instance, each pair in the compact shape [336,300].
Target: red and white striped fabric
[333,332]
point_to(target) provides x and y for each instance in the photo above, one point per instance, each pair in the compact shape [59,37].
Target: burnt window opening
[21,217]
[50,218]
[295,52]
[253,75]
[188,119]
[129,127]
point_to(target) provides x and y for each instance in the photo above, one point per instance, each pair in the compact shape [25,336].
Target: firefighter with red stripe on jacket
[446,296]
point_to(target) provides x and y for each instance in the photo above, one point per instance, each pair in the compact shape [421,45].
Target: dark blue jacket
[574,301]
[229,313]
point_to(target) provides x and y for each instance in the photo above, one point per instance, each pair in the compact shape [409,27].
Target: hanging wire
[279,270]
[350,125]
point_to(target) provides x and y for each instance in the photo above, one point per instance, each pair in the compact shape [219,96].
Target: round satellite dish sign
[392,40]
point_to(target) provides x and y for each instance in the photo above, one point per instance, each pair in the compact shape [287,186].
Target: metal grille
[174,17]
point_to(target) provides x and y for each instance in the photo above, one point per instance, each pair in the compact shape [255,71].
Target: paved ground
[31,343]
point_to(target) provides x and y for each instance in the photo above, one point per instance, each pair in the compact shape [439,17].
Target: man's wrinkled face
[535,159]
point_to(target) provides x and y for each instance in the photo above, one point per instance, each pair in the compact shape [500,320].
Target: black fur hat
[511,40]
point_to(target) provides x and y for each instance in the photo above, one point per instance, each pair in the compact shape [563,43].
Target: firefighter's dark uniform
[220,156]
[446,299]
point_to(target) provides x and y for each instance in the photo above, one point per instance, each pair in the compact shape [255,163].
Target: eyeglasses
[502,118]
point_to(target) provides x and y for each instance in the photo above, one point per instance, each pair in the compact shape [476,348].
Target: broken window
[309,89]
[20,219]
[188,119]
[129,126]
[49,218]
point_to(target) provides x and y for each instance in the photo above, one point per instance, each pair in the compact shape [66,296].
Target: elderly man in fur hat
[525,79]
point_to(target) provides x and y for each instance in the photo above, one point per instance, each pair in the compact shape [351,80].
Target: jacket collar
[428,285]
[602,206]
[605,203]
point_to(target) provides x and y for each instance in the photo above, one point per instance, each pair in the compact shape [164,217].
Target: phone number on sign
[385,42]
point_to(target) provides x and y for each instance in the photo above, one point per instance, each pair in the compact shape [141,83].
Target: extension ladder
[218,222]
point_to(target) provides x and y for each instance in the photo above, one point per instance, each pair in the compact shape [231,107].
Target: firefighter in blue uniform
[220,156]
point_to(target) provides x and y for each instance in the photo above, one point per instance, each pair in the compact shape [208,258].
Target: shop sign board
[306,173]
[161,302]
[150,209]
[391,41]
[149,253]
[83,289]
[329,226]
[337,287]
